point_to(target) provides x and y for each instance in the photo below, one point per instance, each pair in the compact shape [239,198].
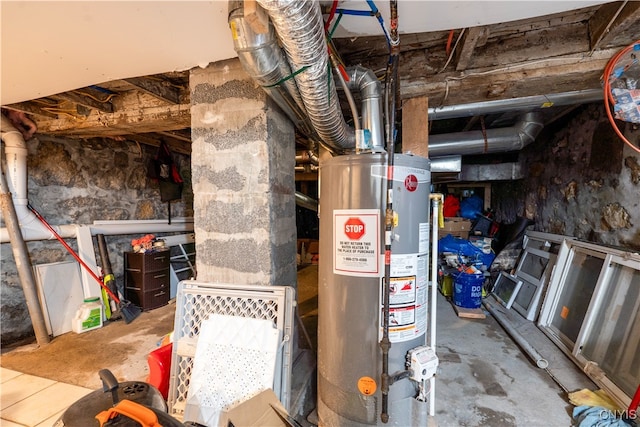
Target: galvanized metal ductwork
[262,58]
[497,140]
[371,111]
[300,28]
[307,202]
[310,97]
[515,104]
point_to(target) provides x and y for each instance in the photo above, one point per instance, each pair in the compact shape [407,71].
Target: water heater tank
[353,191]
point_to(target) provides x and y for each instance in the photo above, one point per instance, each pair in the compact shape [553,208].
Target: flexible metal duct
[264,61]
[496,140]
[300,29]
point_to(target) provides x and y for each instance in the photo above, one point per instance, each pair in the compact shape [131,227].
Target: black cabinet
[147,279]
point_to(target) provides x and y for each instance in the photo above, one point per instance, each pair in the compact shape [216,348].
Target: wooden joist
[614,23]
[134,113]
[157,87]
[90,98]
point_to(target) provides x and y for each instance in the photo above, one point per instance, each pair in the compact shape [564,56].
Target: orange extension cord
[608,97]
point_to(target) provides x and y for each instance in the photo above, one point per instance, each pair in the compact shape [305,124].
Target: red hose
[608,96]
[345,76]
[635,402]
[334,6]
[449,40]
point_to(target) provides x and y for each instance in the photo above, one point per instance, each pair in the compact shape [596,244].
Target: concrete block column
[243,159]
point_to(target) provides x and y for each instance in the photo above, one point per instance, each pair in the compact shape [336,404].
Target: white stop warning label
[356,242]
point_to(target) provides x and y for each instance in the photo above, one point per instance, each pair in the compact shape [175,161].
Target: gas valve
[422,362]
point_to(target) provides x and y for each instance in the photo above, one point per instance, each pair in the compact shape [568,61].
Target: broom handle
[72,252]
[635,402]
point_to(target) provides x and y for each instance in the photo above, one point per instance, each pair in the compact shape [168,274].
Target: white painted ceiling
[49,47]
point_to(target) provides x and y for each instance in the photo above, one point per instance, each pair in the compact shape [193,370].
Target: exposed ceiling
[120,69]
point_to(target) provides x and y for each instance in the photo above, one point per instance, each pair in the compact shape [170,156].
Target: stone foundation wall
[582,181]
[78,182]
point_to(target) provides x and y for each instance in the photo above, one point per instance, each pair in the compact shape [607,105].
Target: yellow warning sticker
[565,312]
[395,219]
[367,386]
[234,30]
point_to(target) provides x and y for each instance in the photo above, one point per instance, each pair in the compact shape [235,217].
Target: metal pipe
[370,90]
[391,83]
[348,95]
[300,28]
[514,104]
[492,141]
[540,362]
[307,157]
[305,201]
[23,263]
[306,168]
[264,61]
[305,72]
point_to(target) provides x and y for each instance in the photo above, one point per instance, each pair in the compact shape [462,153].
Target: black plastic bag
[163,169]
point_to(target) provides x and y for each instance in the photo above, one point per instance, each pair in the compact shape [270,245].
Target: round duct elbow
[529,127]
[499,140]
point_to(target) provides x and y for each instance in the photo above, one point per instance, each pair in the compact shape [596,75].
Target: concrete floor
[484,379]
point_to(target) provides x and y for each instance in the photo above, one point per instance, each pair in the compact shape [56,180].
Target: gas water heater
[351,288]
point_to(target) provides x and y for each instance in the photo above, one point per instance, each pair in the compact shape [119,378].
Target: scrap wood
[469,313]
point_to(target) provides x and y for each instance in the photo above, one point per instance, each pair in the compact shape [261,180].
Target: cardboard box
[259,411]
[314,247]
[456,226]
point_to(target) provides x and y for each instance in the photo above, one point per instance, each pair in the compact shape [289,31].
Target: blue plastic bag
[471,207]
[464,247]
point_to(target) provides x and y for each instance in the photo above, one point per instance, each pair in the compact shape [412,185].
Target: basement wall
[582,181]
[78,182]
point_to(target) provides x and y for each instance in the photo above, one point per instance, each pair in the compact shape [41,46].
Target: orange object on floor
[159,361]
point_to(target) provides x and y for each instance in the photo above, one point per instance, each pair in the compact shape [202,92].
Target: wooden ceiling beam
[90,98]
[475,36]
[180,135]
[134,113]
[154,139]
[553,75]
[156,87]
[614,23]
[306,176]
[30,108]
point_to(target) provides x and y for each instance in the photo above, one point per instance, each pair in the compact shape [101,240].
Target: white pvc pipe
[32,229]
[16,152]
[110,228]
[436,198]
[533,354]
[31,232]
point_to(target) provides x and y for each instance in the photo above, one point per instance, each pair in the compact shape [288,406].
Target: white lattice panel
[195,301]
[235,360]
